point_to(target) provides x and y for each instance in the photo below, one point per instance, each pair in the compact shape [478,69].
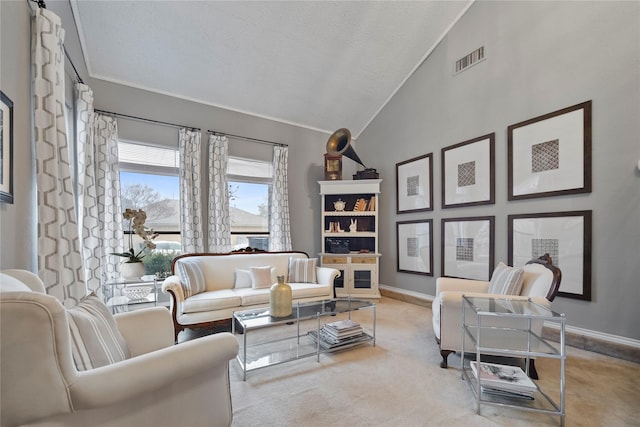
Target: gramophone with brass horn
[338,145]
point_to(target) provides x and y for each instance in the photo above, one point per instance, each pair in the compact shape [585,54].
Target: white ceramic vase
[132,270]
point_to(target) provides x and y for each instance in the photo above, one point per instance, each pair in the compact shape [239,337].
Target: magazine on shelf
[503,377]
[511,394]
[330,344]
[342,327]
[330,337]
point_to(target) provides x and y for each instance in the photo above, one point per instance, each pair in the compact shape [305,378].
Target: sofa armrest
[174,284]
[146,330]
[119,382]
[445,284]
[326,275]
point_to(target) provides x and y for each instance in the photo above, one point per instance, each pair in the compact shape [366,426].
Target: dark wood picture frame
[410,257]
[6,149]
[475,175]
[550,155]
[565,236]
[467,263]
[414,178]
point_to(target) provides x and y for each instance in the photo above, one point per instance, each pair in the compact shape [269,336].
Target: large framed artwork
[414,184]
[415,246]
[6,149]
[468,247]
[565,236]
[468,173]
[550,155]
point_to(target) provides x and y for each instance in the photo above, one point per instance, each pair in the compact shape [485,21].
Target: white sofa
[221,297]
[540,282]
[160,384]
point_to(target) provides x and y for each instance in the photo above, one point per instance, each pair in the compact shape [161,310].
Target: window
[149,180]
[249,190]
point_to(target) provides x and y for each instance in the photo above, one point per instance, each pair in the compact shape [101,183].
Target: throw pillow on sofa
[506,280]
[95,338]
[242,279]
[302,270]
[191,277]
[262,277]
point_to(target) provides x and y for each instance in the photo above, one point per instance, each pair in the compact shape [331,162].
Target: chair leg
[533,373]
[445,355]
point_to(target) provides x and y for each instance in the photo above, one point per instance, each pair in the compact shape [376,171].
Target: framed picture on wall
[550,155]
[414,184]
[468,173]
[468,247]
[415,246]
[6,149]
[565,236]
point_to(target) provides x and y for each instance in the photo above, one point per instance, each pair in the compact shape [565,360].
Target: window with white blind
[249,190]
[149,180]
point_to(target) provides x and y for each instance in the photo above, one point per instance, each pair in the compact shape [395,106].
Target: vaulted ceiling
[317,64]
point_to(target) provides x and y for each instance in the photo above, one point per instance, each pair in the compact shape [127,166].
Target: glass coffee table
[271,348]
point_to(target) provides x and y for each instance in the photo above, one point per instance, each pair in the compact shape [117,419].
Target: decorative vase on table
[280,299]
[132,270]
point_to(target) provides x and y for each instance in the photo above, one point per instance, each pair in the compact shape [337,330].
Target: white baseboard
[599,336]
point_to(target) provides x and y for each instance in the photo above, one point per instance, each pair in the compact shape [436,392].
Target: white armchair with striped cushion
[539,280]
[85,367]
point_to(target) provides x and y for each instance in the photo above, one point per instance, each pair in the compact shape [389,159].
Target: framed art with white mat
[565,236]
[414,184]
[6,149]
[550,155]
[468,173]
[414,241]
[468,247]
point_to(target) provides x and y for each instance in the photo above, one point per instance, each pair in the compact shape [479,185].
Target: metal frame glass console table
[276,350]
[484,322]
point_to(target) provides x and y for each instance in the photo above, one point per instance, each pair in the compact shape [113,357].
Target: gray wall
[17,220]
[541,57]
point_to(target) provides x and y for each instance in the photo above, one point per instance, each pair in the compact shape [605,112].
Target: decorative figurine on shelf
[354,226]
[339,205]
[280,299]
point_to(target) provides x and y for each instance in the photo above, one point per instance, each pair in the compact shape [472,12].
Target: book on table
[504,378]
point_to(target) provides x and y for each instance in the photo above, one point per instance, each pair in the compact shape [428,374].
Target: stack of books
[504,380]
[338,333]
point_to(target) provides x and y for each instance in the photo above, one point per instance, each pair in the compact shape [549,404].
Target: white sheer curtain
[191,214]
[99,191]
[219,221]
[279,227]
[59,260]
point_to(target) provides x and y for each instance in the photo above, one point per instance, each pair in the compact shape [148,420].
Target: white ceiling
[317,64]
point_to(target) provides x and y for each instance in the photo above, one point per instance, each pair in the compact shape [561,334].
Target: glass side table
[507,327]
[125,295]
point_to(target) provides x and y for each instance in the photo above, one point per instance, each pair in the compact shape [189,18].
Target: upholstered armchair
[157,384]
[540,281]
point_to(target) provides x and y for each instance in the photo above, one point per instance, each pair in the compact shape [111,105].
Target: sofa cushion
[262,277]
[302,270]
[95,338]
[242,278]
[211,300]
[252,296]
[506,280]
[309,290]
[191,276]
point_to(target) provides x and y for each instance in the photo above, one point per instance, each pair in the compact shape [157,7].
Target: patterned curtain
[219,221]
[190,190]
[59,260]
[99,190]
[279,227]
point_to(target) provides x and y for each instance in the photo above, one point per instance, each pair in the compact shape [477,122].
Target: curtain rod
[146,120]
[246,138]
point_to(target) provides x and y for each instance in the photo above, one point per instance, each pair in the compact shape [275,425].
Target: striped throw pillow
[95,338]
[302,270]
[506,280]
[191,277]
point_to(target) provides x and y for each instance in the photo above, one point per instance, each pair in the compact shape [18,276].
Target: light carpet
[399,383]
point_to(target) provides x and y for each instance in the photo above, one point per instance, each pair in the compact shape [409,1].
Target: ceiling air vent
[467,61]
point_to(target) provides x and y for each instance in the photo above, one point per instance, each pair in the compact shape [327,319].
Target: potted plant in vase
[133,267]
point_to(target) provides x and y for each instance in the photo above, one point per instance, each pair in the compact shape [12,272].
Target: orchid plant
[137,218]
